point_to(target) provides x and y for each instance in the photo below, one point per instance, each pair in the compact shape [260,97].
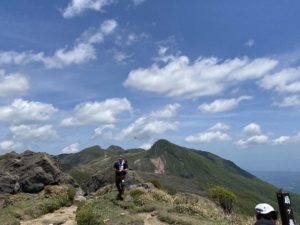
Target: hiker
[120,169]
[265,214]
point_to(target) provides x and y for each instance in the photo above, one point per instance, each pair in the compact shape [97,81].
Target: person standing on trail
[265,214]
[120,169]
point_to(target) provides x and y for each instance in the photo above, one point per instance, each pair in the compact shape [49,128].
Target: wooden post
[285,207]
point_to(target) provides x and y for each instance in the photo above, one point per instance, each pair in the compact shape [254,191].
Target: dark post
[285,207]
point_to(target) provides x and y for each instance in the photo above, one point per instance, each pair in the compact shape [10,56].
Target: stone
[30,172]
[107,176]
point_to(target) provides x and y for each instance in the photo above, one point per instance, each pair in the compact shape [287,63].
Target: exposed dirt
[63,216]
[159,164]
[150,220]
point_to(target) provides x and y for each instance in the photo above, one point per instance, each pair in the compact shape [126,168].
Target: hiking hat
[264,208]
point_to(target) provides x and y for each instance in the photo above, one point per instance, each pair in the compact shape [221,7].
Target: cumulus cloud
[77,7]
[95,113]
[21,111]
[73,148]
[145,128]
[207,137]
[179,78]
[253,141]
[169,111]
[146,146]
[219,127]
[82,52]
[281,140]
[222,105]
[149,125]
[287,139]
[293,100]
[99,130]
[251,129]
[287,80]
[33,132]
[13,85]
[10,145]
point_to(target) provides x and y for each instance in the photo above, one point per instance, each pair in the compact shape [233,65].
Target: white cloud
[73,148]
[250,43]
[120,57]
[253,141]
[13,85]
[77,7]
[207,137]
[287,139]
[219,127]
[33,132]
[222,105]
[82,52]
[145,128]
[281,140]
[287,80]
[10,145]
[293,100]
[137,2]
[205,77]
[169,111]
[162,50]
[149,125]
[21,111]
[146,146]
[95,113]
[251,130]
[99,130]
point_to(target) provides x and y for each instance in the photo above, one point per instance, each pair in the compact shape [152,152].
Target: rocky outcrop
[107,176]
[30,172]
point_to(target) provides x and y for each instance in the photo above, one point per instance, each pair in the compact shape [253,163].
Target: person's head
[120,159]
[265,211]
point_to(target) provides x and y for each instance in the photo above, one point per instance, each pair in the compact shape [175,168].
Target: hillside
[188,170]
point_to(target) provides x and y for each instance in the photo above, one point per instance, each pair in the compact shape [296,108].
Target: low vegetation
[180,209]
[224,197]
[23,206]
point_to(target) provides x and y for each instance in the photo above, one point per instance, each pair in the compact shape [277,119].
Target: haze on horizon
[221,77]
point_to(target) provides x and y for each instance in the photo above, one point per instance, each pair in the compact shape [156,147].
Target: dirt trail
[66,216]
[63,216]
[150,220]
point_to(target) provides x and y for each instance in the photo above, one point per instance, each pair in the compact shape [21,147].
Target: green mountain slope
[185,170]
[82,157]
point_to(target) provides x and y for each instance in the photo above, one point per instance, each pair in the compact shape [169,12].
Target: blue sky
[218,76]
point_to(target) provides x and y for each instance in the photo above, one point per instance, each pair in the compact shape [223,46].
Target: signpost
[285,207]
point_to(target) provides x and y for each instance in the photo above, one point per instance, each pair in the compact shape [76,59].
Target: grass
[180,209]
[22,206]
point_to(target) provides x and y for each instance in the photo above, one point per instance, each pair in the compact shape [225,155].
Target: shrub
[86,217]
[156,184]
[186,199]
[141,196]
[161,196]
[224,197]
[15,199]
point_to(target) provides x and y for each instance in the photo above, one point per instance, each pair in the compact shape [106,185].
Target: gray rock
[30,172]
[107,176]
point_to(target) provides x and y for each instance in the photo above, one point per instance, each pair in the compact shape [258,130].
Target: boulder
[30,172]
[107,176]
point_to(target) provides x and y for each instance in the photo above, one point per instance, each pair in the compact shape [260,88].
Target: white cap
[264,208]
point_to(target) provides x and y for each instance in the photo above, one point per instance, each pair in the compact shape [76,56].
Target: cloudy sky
[218,76]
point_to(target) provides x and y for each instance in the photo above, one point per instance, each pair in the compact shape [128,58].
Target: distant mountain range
[290,181]
[179,169]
